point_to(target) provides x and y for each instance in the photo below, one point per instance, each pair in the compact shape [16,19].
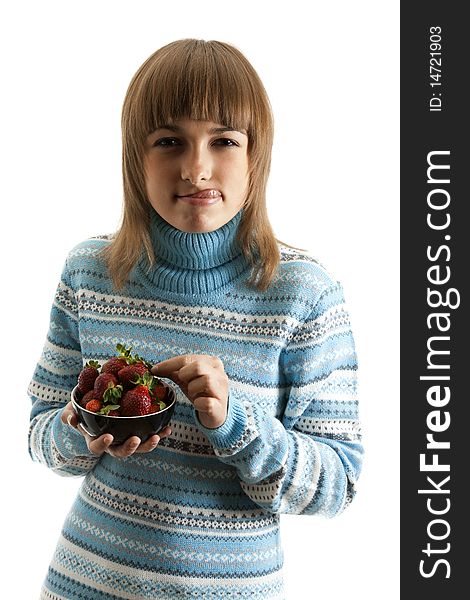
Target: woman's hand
[204,381]
[101,444]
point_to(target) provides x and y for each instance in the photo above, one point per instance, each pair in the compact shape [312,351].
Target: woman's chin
[200,221]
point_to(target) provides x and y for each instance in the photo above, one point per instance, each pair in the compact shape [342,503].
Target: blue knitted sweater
[198,517]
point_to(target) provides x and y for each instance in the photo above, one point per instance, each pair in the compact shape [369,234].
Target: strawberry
[94,405]
[86,398]
[136,402]
[158,392]
[107,387]
[114,365]
[114,413]
[87,376]
[129,375]
[157,407]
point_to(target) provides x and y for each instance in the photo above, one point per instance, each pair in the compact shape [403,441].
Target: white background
[331,71]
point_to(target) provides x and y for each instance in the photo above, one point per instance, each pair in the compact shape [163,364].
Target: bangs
[195,79]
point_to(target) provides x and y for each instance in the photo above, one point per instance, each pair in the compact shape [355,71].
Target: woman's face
[196,173]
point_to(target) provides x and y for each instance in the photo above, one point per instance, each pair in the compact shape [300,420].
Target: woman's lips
[202,198]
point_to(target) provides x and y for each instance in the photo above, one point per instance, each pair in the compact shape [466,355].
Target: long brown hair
[203,80]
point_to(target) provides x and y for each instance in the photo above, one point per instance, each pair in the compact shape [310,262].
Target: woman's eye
[226,142]
[170,142]
[166,143]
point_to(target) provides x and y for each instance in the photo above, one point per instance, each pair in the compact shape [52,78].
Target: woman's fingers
[170,368]
[126,449]
[203,380]
[68,416]
[102,444]
[196,374]
[166,432]
[187,366]
[153,441]
[148,445]
[202,386]
[96,445]
[207,405]
[72,420]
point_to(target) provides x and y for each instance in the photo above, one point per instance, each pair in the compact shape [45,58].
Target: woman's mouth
[202,198]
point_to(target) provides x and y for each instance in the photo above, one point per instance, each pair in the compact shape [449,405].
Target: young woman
[255,334]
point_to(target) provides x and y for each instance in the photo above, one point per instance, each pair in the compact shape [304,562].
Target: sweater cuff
[69,442]
[230,434]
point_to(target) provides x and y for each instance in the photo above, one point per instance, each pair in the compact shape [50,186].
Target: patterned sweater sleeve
[58,446]
[308,461]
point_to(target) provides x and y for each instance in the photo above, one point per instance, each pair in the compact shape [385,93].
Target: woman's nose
[196,166]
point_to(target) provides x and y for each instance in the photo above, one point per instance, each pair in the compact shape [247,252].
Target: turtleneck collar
[194,263]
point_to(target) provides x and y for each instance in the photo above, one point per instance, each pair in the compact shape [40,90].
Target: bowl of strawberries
[123,398]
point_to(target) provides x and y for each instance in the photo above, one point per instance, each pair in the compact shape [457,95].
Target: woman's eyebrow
[215,130]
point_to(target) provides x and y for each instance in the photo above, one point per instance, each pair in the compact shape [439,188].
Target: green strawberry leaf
[112,393]
[124,352]
[93,363]
[139,359]
[108,408]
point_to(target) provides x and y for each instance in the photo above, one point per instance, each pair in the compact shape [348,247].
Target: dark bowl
[121,428]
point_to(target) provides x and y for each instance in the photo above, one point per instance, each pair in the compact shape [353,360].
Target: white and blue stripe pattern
[199,516]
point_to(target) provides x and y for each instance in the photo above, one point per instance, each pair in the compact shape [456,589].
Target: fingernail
[69,420]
